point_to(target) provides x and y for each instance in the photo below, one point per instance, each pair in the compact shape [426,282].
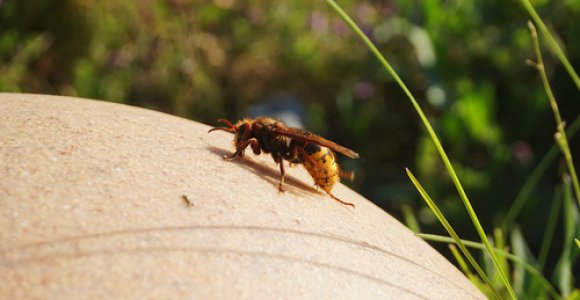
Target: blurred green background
[463,59]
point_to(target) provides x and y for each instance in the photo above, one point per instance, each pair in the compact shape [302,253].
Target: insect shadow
[270,174]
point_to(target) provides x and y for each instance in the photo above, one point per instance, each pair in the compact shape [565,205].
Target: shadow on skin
[270,174]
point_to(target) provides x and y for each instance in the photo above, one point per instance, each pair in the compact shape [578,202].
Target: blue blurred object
[286,108]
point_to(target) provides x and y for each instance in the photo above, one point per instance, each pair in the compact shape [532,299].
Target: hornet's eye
[243,133]
[242,128]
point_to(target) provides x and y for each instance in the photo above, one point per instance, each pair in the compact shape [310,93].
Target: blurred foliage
[210,59]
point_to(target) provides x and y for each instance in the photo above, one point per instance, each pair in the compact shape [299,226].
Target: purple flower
[319,22]
[522,152]
[364,90]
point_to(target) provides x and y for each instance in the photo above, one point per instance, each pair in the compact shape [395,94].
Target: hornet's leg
[256,147]
[242,147]
[347,175]
[281,184]
[279,160]
[343,202]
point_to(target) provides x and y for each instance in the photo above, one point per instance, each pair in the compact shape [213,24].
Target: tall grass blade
[486,289]
[410,219]
[435,140]
[552,42]
[525,286]
[561,138]
[563,273]
[499,241]
[517,260]
[519,274]
[451,231]
[550,228]
[462,263]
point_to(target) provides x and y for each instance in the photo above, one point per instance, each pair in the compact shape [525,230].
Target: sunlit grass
[552,41]
[523,259]
[560,136]
[435,140]
[517,260]
[451,232]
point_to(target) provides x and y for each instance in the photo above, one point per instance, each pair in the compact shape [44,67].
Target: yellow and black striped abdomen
[322,166]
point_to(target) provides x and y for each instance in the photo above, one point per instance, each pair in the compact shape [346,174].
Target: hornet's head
[242,130]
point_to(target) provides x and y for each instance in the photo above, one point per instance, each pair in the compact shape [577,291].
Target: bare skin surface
[107,201]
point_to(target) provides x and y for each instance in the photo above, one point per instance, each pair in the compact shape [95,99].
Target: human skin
[101,200]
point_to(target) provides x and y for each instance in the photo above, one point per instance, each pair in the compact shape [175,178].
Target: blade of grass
[451,231]
[470,275]
[499,241]
[435,139]
[410,219]
[550,228]
[519,249]
[531,270]
[527,286]
[462,263]
[563,272]
[552,42]
[561,134]
[528,186]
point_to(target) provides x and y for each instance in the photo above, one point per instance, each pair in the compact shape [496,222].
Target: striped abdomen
[322,166]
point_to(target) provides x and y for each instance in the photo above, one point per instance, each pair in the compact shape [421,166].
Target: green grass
[533,271]
[435,140]
[535,285]
[528,187]
[552,41]
[452,233]
[560,135]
